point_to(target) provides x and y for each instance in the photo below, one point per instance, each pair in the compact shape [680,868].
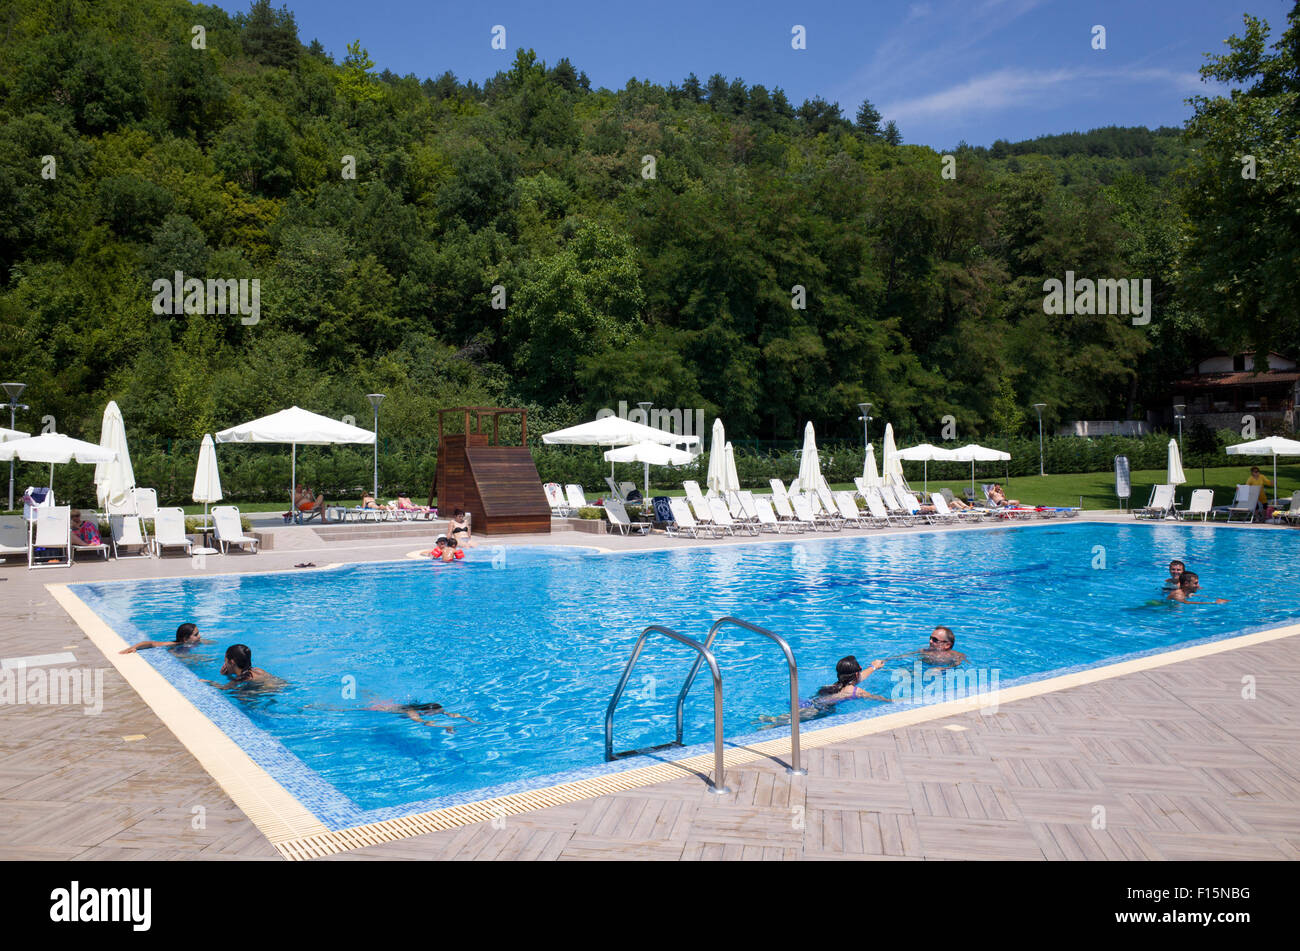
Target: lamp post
[865,419]
[1039,407]
[375,400]
[1179,411]
[645,410]
[14,390]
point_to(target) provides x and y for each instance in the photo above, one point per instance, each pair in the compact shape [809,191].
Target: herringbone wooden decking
[1171,763]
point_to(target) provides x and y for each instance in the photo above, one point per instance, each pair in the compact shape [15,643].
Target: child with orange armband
[446,549]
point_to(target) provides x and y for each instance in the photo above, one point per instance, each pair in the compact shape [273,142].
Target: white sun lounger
[1202,504]
[576,499]
[169,531]
[14,532]
[848,508]
[560,508]
[1292,512]
[52,529]
[617,514]
[803,510]
[683,522]
[785,513]
[1244,503]
[127,531]
[722,518]
[876,506]
[102,549]
[767,519]
[1160,505]
[230,530]
[694,495]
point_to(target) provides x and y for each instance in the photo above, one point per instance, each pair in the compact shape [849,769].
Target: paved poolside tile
[1184,766]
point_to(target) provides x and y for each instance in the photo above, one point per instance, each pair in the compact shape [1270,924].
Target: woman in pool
[849,674]
[187,636]
[239,668]
[413,711]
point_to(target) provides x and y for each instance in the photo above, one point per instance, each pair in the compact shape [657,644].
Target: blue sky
[945,70]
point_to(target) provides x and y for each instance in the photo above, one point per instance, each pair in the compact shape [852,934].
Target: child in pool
[187,636]
[849,674]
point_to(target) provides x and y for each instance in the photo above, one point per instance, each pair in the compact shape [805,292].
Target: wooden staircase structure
[497,485]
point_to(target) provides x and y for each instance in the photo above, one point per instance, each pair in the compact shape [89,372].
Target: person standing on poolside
[1264,482]
[1188,585]
[187,636]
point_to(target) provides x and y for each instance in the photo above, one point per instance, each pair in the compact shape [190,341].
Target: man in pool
[187,636]
[1176,569]
[1188,585]
[413,711]
[940,652]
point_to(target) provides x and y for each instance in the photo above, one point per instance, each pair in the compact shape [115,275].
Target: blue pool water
[533,648]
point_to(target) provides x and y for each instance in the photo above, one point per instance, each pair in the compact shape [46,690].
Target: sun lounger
[693,494]
[848,509]
[229,529]
[146,503]
[1160,505]
[778,492]
[803,510]
[52,528]
[1292,512]
[169,531]
[13,535]
[722,518]
[785,514]
[768,521]
[102,549]
[127,531]
[616,512]
[683,522]
[576,499]
[942,512]
[1202,504]
[560,507]
[1246,504]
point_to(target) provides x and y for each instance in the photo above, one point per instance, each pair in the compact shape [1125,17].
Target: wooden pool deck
[1167,763]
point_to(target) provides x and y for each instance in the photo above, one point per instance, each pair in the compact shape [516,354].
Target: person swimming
[939,653]
[413,711]
[1176,569]
[1188,585]
[240,670]
[446,549]
[187,636]
[849,673]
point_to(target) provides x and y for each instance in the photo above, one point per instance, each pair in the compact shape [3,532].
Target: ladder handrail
[794,682]
[704,654]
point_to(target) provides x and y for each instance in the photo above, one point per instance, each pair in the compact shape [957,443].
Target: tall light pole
[865,419]
[375,400]
[1040,407]
[14,390]
[1179,410]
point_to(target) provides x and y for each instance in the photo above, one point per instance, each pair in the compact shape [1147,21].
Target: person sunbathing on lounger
[1188,585]
[187,636]
[998,497]
[84,534]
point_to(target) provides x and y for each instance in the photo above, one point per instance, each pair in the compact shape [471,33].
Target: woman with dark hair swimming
[239,668]
[849,673]
[187,636]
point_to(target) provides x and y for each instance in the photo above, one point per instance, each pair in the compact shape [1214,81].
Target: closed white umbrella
[296,427]
[207,478]
[810,469]
[1174,470]
[731,482]
[925,453]
[1271,446]
[891,468]
[115,479]
[973,453]
[869,475]
[649,454]
[717,460]
[54,448]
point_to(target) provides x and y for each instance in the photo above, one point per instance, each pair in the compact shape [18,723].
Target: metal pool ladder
[704,653]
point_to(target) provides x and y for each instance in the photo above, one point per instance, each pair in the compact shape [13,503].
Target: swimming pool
[531,643]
